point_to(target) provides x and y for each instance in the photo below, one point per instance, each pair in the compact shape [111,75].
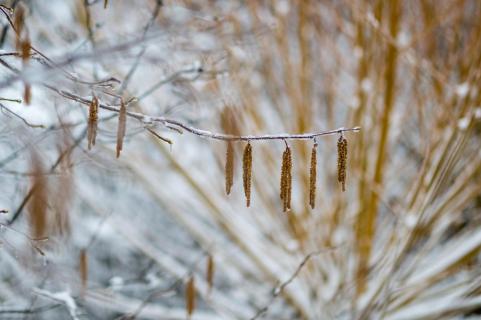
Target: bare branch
[204,133]
[279,289]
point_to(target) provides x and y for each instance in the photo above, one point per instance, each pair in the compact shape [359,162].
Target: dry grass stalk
[106,2]
[247,172]
[83,270]
[341,161]
[190,296]
[286,179]
[38,203]
[229,167]
[210,271]
[313,176]
[121,127]
[92,122]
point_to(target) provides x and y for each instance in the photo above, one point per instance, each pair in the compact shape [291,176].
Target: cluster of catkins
[286,172]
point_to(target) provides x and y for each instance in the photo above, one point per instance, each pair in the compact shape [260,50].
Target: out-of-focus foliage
[152,234]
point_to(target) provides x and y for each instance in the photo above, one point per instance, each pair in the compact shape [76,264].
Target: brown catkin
[25,50]
[229,167]
[247,172]
[19,22]
[92,124]
[121,127]
[341,161]
[38,204]
[283,175]
[210,271]
[190,296]
[25,55]
[286,179]
[27,94]
[313,177]
[83,270]
[289,180]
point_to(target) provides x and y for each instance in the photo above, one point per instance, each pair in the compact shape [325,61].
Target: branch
[28,311]
[63,297]
[278,290]
[173,123]
[3,107]
[52,169]
[168,122]
[33,241]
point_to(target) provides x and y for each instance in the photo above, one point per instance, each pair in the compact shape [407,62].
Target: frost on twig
[63,297]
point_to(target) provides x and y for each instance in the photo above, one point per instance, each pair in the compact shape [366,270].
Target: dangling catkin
[190,296]
[121,127]
[286,179]
[92,124]
[83,271]
[210,272]
[25,50]
[313,176]
[229,167]
[283,175]
[289,181]
[38,204]
[19,22]
[341,161]
[247,172]
[25,55]
[27,94]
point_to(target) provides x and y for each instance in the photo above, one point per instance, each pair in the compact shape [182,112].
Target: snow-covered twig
[63,297]
[169,122]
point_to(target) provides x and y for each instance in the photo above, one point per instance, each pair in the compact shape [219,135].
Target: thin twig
[29,310]
[134,67]
[158,136]
[63,297]
[204,133]
[32,241]
[3,107]
[279,289]
[11,100]
[168,79]
[162,291]
[52,169]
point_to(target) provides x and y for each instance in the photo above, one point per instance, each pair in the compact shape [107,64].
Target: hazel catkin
[229,167]
[341,161]
[247,172]
[313,176]
[286,179]
[92,122]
